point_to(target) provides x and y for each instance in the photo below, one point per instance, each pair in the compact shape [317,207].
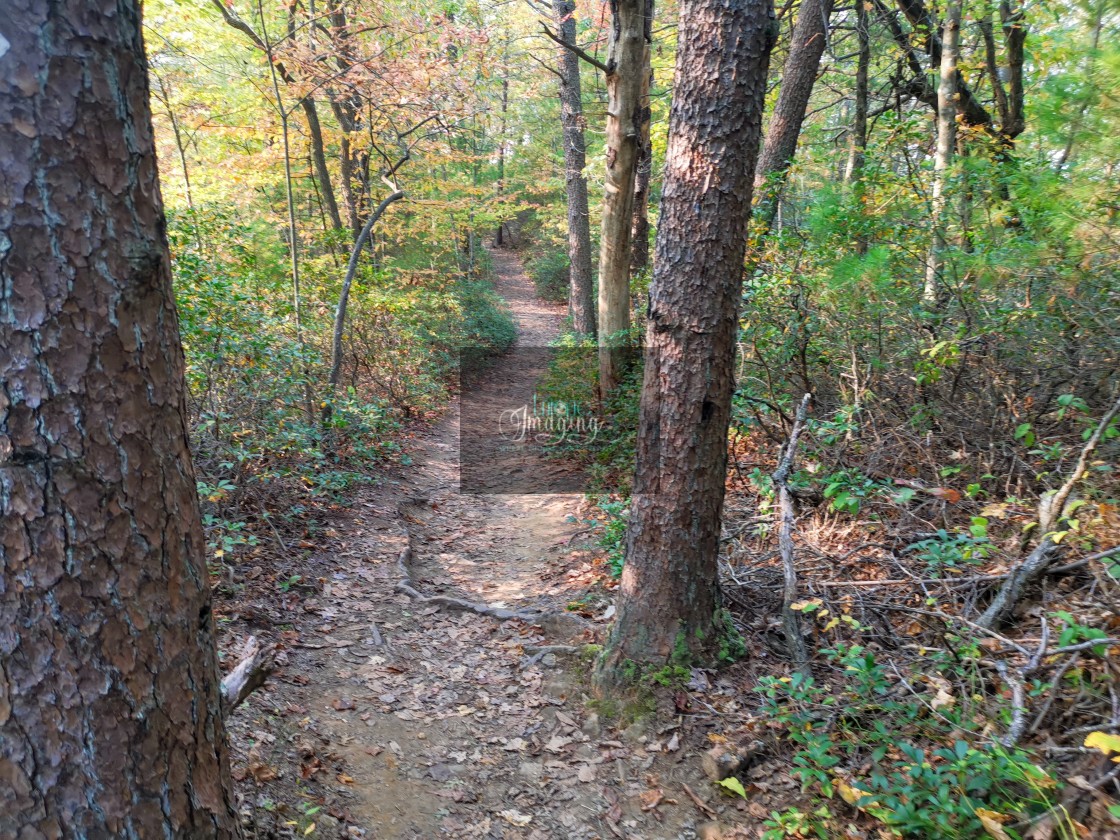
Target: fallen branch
[1050,511]
[1085,561]
[256,664]
[790,620]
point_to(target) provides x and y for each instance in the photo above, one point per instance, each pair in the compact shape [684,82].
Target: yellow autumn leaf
[1105,742]
[309,829]
[807,606]
[849,793]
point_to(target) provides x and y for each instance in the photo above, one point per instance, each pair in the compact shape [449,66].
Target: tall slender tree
[643,174]
[946,142]
[857,140]
[110,713]
[669,605]
[627,60]
[810,36]
[580,297]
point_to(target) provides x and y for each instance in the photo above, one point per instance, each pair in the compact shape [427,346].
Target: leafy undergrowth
[915,721]
[275,449]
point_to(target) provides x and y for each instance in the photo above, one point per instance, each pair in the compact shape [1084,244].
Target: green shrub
[914,765]
[550,271]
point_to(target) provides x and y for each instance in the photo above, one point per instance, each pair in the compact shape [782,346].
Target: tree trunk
[347,282]
[164,96]
[810,35]
[110,710]
[669,605]
[639,229]
[318,155]
[857,145]
[946,141]
[580,305]
[629,45]
[346,171]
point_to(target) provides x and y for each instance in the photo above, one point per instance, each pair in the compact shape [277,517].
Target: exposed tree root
[407,586]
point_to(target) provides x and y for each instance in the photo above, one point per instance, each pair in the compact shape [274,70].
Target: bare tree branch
[590,59]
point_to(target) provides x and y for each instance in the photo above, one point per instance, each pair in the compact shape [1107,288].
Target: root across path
[437,684]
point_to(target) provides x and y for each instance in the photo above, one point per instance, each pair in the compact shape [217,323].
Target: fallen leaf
[947,493]
[1105,742]
[944,698]
[263,772]
[734,785]
[992,822]
[515,817]
[651,799]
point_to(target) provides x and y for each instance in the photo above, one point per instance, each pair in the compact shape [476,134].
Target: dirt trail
[426,722]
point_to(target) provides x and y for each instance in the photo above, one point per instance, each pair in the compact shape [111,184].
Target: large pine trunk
[580,297]
[669,605]
[110,714]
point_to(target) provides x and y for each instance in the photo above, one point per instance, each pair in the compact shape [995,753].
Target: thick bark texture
[946,143]
[669,605]
[110,711]
[799,74]
[628,54]
[580,290]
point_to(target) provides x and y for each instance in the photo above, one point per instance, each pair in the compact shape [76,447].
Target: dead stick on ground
[1050,511]
[790,619]
[254,668]
[700,803]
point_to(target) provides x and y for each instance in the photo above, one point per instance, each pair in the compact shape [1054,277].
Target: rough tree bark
[799,74]
[639,228]
[580,305]
[110,710]
[629,44]
[946,142]
[669,606]
[319,157]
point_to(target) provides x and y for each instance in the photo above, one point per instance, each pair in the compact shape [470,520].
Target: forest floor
[393,717]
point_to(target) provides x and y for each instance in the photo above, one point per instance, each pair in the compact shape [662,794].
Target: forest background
[944,410]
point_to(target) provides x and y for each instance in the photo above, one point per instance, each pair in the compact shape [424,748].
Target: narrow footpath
[425,720]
